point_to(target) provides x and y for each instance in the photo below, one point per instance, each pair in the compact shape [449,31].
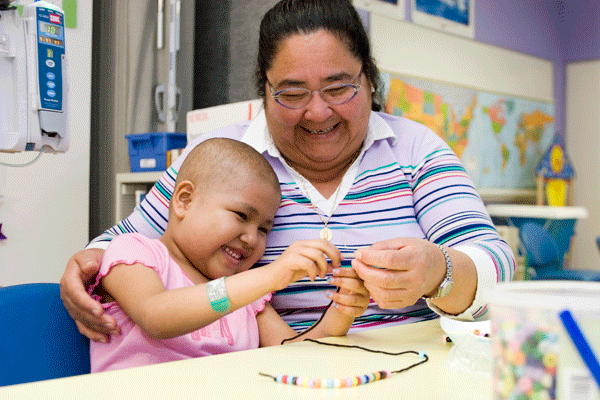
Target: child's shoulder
[131,239]
[133,243]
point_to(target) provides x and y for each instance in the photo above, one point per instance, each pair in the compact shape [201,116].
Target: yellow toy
[554,176]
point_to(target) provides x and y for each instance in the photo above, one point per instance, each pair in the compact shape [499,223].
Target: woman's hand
[87,313]
[353,297]
[304,258]
[398,272]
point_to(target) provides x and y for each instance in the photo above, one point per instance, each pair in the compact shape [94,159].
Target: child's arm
[163,313]
[350,302]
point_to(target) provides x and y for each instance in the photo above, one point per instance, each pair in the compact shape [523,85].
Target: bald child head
[219,161]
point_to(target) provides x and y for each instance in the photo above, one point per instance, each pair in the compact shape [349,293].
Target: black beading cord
[357,380]
[424,356]
[387,353]
[314,325]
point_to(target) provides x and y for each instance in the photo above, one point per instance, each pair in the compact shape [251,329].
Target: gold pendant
[326,234]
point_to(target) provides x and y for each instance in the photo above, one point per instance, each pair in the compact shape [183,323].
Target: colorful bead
[422,354]
[331,383]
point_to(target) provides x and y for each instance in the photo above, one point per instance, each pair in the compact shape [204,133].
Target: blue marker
[585,351]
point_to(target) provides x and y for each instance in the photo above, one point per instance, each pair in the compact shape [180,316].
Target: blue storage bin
[148,151]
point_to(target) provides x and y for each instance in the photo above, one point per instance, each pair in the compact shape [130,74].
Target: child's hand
[353,298]
[304,258]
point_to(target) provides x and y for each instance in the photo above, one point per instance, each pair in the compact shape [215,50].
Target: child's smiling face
[224,231]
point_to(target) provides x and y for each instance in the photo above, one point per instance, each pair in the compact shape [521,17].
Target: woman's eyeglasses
[335,94]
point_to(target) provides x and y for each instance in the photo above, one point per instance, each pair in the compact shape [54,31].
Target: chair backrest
[39,340]
[541,251]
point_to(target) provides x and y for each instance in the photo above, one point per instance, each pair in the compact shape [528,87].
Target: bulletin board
[500,101]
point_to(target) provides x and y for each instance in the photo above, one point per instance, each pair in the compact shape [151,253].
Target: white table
[236,375]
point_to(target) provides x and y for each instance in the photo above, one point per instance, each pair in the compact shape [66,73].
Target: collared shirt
[260,139]
[409,184]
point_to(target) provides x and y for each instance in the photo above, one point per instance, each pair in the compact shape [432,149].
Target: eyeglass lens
[300,97]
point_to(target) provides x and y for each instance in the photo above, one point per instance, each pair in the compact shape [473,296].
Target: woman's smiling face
[320,136]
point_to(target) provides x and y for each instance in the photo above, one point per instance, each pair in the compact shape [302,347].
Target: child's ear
[182,197]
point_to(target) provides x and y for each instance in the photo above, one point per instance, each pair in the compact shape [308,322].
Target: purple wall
[530,27]
[557,30]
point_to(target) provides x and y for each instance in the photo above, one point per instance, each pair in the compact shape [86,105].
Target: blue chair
[543,258]
[39,340]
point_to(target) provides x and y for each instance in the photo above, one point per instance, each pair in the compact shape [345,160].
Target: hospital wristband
[217,295]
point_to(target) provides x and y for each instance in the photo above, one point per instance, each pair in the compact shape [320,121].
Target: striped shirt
[406,182]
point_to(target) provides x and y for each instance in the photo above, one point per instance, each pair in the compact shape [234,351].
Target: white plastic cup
[533,355]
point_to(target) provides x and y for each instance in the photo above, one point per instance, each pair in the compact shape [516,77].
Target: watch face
[445,287]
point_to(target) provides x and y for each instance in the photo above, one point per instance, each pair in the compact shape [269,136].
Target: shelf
[127,186]
[541,212]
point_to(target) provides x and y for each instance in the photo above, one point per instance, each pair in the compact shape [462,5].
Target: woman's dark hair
[289,17]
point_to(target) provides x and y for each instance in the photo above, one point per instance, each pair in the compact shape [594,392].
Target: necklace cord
[422,355]
[313,325]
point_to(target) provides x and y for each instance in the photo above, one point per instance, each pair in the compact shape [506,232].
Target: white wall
[44,210]
[583,144]
[458,60]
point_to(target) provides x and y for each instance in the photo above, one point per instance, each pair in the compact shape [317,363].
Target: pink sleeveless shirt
[233,332]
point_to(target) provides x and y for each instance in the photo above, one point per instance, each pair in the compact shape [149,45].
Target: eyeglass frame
[355,86]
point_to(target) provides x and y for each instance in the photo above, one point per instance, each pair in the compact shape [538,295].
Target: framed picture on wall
[390,8]
[452,16]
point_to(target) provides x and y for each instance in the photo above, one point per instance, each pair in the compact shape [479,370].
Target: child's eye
[241,215]
[264,230]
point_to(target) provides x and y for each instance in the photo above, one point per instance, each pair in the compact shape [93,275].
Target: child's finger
[350,311]
[328,249]
[345,272]
[354,308]
[349,284]
[350,300]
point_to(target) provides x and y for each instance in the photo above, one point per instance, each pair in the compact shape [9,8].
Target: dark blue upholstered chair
[39,339]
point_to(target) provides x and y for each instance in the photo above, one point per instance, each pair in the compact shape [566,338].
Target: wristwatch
[447,283]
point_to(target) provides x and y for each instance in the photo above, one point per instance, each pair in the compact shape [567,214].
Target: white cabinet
[129,186]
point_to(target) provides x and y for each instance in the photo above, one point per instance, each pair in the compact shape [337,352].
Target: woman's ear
[182,197]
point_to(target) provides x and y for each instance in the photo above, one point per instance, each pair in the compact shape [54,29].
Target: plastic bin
[148,151]
[534,356]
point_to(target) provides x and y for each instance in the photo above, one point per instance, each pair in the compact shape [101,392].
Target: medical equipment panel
[33,89]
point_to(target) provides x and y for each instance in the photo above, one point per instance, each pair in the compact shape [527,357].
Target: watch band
[447,283]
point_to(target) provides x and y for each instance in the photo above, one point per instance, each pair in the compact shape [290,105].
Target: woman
[386,191]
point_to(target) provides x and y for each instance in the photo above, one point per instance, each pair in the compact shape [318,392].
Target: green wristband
[217,295]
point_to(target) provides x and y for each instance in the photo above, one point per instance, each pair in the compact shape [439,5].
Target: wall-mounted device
[33,78]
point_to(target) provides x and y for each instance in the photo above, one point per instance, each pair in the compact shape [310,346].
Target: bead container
[533,355]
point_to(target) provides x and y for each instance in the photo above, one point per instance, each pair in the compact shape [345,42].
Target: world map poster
[499,139]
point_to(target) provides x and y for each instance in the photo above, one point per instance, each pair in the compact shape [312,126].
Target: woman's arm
[451,213]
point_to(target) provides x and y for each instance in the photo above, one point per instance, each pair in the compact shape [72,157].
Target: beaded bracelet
[346,382]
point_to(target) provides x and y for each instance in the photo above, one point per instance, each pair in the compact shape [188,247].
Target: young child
[170,296]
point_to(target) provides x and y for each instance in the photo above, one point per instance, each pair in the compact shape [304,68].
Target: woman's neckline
[327,187]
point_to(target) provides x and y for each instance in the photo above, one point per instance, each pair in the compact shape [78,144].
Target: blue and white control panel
[51,50]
